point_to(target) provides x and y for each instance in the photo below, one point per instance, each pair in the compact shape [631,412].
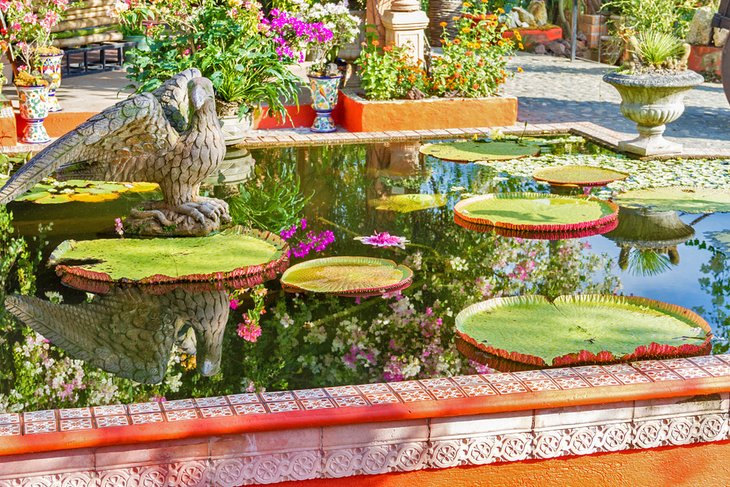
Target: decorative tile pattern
[74,413]
[249,409]
[181,414]
[144,407]
[34,427]
[46,415]
[248,398]
[205,402]
[216,412]
[76,424]
[147,418]
[109,410]
[108,421]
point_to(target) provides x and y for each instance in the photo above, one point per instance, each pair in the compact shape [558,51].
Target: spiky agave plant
[658,50]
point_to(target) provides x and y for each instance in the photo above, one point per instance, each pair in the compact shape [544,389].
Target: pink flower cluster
[249,331]
[384,239]
[317,242]
[293,34]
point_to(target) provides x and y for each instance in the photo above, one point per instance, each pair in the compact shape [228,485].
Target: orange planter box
[58,123]
[356,114]
[532,37]
[705,59]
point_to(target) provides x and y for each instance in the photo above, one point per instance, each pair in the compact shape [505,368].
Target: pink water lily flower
[384,239]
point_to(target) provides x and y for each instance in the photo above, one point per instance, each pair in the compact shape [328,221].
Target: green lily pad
[231,254]
[579,175]
[470,151]
[76,190]
[347,276]
[575,330]
[536,212]
[406,203]
[686,199]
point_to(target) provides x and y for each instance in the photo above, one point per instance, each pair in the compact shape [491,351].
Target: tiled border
[595,133]
[100,426]
[397,446]
[259,139]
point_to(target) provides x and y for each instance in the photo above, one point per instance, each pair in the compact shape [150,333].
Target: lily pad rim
[528,227]
[620,199]
[423,148]
[583,356]
[405,281]
[584,184]
[75,275]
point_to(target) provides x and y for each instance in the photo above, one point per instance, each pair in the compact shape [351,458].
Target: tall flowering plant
[294,36]
[133,16]
[27,25]
[336,18]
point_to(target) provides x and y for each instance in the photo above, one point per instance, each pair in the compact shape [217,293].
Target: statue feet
[192,219]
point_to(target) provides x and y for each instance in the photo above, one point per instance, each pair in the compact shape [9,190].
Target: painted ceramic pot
[50,67]
[33,102]
[324,99]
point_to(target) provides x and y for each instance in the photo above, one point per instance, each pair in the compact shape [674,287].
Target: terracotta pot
[325,90]
[33,101]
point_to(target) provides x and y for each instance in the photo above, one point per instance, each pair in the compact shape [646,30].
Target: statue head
[200,91]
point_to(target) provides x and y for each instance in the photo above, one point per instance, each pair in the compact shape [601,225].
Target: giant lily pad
[578,175]
[55,192]
[470,151]
[588,329]
[536,212]
[406,203]
[347,276]
[686,199]
[243,257]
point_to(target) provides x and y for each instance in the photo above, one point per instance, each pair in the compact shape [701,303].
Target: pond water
[192,343]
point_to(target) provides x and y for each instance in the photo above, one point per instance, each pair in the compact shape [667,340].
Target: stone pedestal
[404,27]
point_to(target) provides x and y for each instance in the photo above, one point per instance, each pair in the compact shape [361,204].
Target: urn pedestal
[652,101]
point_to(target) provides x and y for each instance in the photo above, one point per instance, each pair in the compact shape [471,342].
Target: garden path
[553,89]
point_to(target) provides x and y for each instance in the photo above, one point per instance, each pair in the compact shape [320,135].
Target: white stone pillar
[404,24]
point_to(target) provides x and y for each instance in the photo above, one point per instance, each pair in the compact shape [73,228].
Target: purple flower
[119,227]
[384,239]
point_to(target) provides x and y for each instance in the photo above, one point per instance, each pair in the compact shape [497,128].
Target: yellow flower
[500,10]
[518,36]
[465,30]
[467,4]
[519,69]
[520,46]
[443,24]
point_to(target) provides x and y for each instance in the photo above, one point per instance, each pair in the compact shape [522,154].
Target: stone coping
[101,426]
[272,138]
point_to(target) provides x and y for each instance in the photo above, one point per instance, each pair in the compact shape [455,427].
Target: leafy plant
[228,44]
[132,16]
[272,203]
[388,73]
[657,50]
[666,16]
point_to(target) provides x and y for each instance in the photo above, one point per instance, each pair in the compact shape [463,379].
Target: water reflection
[649,240]
[130,332]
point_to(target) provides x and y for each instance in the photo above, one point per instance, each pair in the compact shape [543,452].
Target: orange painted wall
[691,466]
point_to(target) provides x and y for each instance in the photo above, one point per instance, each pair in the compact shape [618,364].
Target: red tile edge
[220,426]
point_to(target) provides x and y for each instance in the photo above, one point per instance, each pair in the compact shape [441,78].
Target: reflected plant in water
[274,201]
[311,241]
[716,283]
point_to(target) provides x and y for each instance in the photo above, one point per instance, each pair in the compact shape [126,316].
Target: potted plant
[652,87]
[134,16]
[322,30]
[231,44]
[33,103]
[27,30]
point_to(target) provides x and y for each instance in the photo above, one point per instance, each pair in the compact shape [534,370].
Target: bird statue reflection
[171,137]
[130,332]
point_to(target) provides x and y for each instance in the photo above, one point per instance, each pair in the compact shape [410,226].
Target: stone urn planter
[652,101]
[33,104]
[235,127]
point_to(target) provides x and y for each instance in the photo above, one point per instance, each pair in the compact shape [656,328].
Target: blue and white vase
[324,99]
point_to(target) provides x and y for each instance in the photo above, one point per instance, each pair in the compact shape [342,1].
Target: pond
[130,345]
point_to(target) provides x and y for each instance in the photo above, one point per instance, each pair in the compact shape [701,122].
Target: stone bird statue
[129,332]
[171,137]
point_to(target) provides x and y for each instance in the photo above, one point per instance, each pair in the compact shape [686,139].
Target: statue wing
[127,333]
[122,143]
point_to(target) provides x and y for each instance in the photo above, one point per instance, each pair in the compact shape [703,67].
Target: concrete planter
[360,115]
[652,101]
